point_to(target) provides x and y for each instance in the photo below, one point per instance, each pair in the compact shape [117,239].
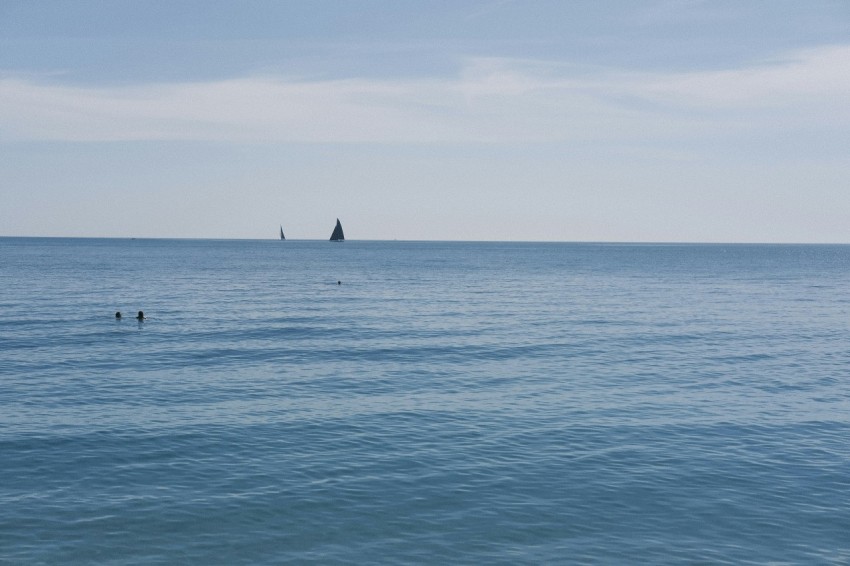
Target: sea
[387,402]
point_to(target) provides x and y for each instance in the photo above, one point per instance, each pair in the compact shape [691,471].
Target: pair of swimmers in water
[140,316]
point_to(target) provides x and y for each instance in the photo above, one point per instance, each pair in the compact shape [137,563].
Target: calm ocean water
[479,403]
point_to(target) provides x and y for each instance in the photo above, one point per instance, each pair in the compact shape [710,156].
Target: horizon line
[611,242]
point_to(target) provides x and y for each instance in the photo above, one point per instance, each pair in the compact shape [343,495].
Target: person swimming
[117,315]
[140,316]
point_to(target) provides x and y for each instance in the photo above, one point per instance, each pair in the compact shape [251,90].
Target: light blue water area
[446,403]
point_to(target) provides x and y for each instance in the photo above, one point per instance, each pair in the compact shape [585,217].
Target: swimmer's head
[118,314]
[141,315]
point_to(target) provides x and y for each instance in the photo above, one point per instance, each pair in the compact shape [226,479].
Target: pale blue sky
[656,120]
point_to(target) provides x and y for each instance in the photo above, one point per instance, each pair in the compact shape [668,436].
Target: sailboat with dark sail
[282,237]
[337,235]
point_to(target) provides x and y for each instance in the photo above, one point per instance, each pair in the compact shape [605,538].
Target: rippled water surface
[445,403]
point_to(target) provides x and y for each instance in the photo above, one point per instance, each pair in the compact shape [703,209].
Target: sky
[526,120]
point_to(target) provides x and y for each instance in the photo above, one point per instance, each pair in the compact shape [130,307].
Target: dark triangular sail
[282,237]
[337,236]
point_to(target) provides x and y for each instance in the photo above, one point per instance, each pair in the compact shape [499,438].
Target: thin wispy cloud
[491,100]
[811,76]
[487,8]
[677,11]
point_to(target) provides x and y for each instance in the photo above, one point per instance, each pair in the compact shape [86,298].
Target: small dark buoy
[118,314]
[140,316]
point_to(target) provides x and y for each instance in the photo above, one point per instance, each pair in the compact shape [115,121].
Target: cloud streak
[809,76]
[490,101]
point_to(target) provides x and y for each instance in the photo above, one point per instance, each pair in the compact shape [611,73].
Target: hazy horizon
[434,241]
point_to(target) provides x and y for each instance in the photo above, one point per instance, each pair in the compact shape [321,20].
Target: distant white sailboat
[282,237]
